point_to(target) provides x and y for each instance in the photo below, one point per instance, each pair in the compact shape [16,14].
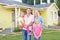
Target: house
[10,11]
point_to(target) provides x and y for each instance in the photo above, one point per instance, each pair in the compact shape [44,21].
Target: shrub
[18,29]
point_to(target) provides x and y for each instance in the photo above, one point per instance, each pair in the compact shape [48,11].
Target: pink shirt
[27,28]
[28,20]
[37,30]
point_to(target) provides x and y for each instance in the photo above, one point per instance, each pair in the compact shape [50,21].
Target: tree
[45,1]
[37,1]
[58,3]
[24,1]
[51,1]
[31,2]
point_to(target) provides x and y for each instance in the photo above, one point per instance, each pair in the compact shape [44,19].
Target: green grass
[46,35]
[51,35]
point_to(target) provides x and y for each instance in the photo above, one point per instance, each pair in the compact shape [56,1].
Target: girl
[21,18]
[37,29]
[22,24]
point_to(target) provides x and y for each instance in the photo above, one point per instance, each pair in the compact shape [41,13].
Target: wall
[5,17]
[43,13]
[53,20]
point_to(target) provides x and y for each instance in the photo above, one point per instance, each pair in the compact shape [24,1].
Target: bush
[18,29]
[49,26]
[59,13]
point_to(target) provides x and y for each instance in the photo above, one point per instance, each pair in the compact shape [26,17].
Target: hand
[24,25]
[30,24]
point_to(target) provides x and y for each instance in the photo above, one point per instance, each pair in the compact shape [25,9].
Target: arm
[31,23]
[41,20]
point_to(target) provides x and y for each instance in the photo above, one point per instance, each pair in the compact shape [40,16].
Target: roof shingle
[18,3]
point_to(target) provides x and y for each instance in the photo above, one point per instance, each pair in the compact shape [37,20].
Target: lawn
[46,35]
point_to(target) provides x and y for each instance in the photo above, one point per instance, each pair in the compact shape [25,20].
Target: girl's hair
[21,13]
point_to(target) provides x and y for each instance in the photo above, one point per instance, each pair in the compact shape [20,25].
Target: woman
[29,19]
[36,15]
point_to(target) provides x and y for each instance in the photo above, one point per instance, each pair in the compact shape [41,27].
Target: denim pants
[38,38]
[25,35]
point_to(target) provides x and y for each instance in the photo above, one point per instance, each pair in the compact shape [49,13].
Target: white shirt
[28,20]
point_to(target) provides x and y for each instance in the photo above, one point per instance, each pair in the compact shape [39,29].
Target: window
[13,15]
[55,15]
[51,14]
[37,1]
[24,1]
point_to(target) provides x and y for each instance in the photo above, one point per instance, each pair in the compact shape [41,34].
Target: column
[16,16]
[18,11]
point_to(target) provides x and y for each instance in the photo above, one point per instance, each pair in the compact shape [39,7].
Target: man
[29,19]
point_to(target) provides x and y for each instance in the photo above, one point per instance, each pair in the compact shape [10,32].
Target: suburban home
[10,11]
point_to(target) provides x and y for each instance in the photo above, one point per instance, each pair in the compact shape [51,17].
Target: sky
[19,0]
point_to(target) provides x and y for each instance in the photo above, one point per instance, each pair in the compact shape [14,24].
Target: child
[21,22]
[37,29]
[21,18]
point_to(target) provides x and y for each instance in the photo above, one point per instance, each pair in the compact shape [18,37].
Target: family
[31,23]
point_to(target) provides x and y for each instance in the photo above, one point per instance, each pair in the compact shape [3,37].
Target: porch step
[57,27]
[6,31]
[1,29]
[52,27]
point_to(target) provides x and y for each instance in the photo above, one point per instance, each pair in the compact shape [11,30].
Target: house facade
[10,11]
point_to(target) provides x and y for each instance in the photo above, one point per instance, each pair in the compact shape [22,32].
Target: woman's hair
[30,10]
[37,12]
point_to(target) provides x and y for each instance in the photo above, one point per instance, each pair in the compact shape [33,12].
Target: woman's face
[36,14]
[28,11]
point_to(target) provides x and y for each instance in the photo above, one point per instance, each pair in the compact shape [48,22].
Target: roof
[2,1]
[14,3]
[43,5]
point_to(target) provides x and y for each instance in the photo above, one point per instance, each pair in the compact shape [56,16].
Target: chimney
[48,1]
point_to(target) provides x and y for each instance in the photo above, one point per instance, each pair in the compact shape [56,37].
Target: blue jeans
[38,38]
[25,35]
